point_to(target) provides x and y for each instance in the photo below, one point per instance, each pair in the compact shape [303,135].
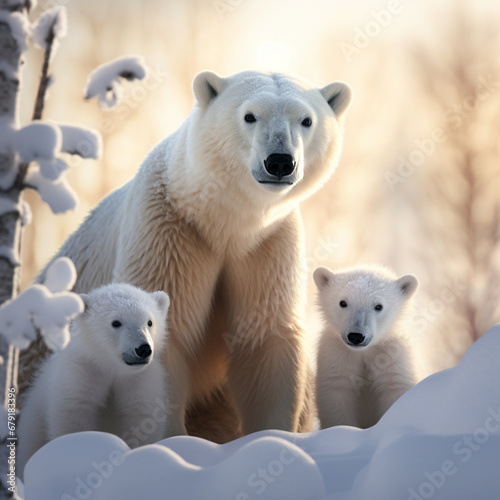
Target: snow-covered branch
[58,194]
[48,307]
[38,141]
[42,142]
[82,141]
[104,81]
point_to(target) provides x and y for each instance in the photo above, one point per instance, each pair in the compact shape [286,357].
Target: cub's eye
[343,303]
[306,122]
[116,324]
[379,307]
[150,323]
[250,118]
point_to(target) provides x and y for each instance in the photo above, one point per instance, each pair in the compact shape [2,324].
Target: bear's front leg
[142,404]
[268,382]
[74,400]
[268,357]
[392,376]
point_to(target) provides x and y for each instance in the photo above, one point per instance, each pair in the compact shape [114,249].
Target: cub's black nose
[279,165]
[355,338]
[143,351]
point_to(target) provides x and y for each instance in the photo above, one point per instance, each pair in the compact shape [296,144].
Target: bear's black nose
[279,165]
[143,351]
[355,338]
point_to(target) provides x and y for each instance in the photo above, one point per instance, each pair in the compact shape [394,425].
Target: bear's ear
[86,302]
[407,285]
[163,301]
[323,277]
[338,96]
[207,85]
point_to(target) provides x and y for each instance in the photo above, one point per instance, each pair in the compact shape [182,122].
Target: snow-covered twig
[104,81]
[49,27]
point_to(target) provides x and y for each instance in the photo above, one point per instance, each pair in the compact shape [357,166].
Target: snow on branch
[60,276]
[104,81]
[49,308]
[58,194]
[38,140]
[19,27]
[82,141]
[50,26]
[42,142]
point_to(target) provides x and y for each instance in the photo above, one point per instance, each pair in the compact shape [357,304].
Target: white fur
[89,386]
[197,222]
[356,384]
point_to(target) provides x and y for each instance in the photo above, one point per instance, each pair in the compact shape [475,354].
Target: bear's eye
[250,118]
[306,122]
[116,324]
[343,303]
[150,323]
[379,307]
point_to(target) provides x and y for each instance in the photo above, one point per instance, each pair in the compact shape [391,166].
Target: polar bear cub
[110,376]
[365,361]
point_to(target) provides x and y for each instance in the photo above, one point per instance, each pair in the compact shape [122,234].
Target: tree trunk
[10,223]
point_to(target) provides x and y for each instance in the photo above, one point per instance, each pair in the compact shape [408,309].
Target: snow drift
[441,440]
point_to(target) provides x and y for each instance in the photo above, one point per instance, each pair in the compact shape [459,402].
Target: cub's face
[362,305]
[124,327]
[274,134]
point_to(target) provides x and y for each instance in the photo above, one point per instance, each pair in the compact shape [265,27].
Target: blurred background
[418,185]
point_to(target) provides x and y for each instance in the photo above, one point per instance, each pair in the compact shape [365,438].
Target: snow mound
[441,440]
[104,81]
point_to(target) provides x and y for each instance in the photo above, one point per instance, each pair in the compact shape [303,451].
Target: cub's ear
[408,285]
[163,301]
[207,85]
[86,302]
[338,96]
[323,277]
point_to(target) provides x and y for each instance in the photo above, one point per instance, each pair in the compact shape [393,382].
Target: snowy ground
[441,440]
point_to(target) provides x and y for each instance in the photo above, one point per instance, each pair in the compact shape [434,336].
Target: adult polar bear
[212,218]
